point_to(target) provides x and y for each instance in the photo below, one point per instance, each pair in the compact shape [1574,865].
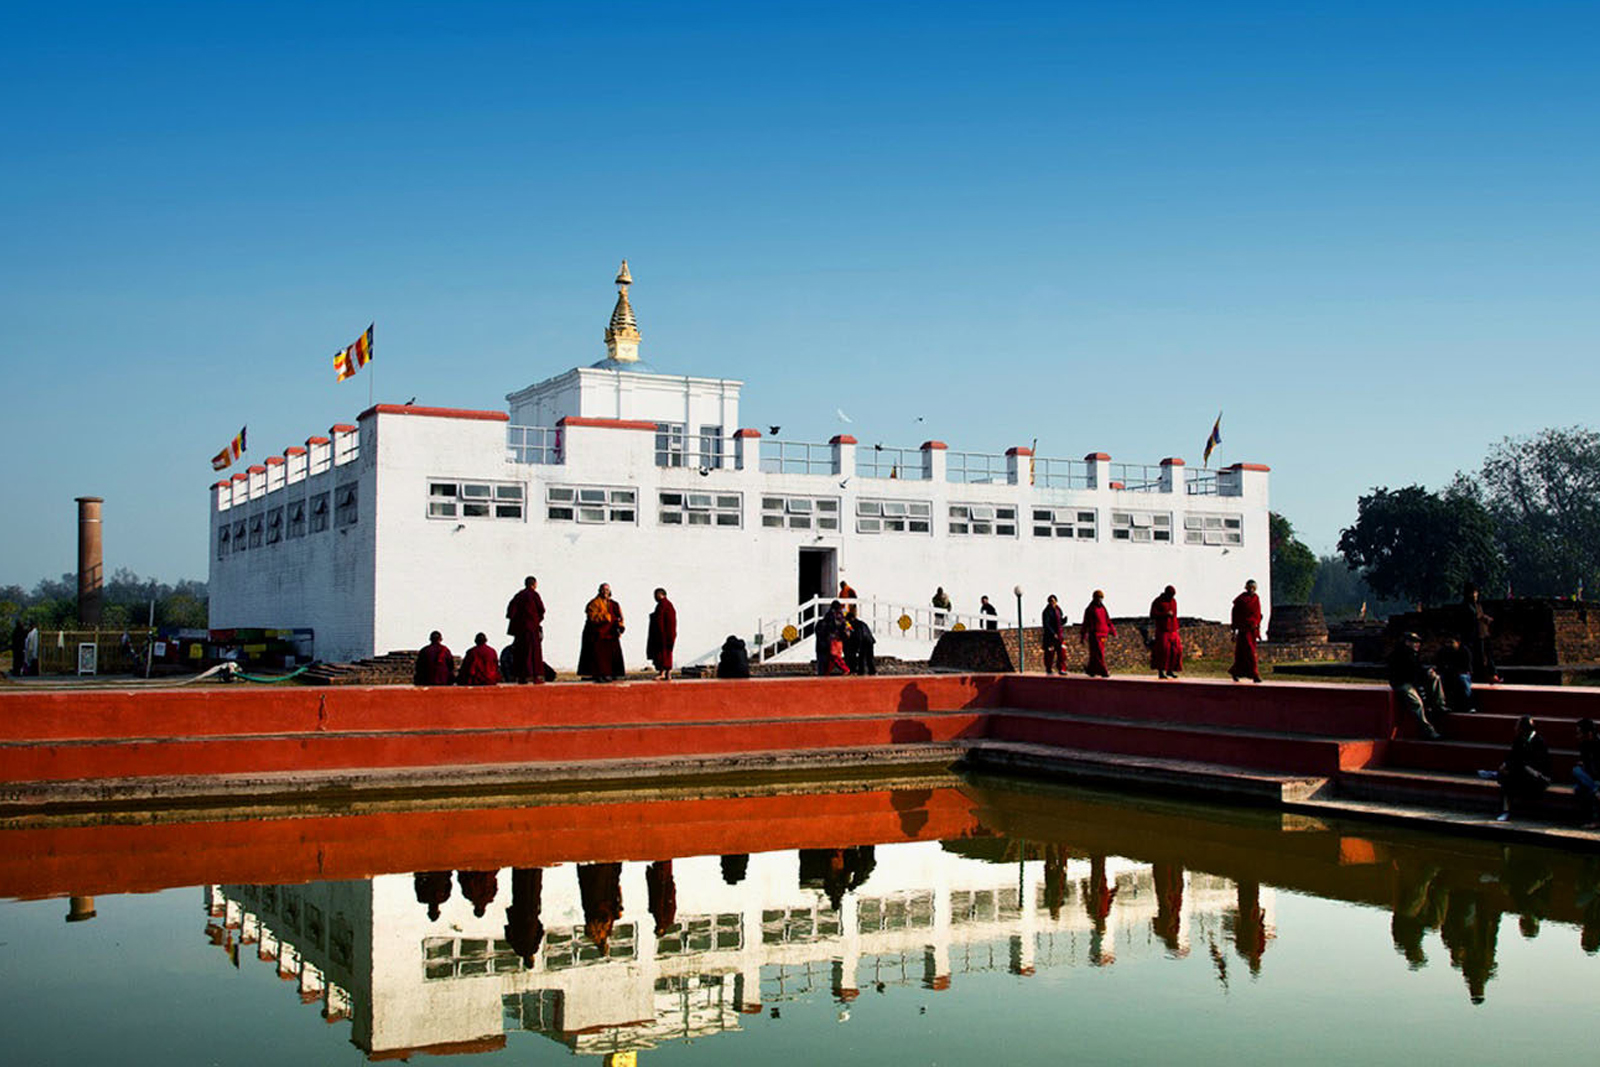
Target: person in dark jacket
[1415,685]
[860,647]
[1052,630]
[734,662]
[1454,664]
[832,629]
[1526,771]
[1475,623]
[991,617]
[1586,773]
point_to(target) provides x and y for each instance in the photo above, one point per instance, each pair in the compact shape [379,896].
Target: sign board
[88,657]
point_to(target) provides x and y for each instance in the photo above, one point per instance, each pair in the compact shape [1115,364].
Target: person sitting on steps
[1416,686]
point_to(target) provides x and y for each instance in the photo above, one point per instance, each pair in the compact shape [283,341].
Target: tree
[1544,494]
[1422,546]
[1293,565]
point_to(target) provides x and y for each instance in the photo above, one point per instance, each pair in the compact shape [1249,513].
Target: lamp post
[1020,654]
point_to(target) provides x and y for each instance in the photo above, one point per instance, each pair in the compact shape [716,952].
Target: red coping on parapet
[1117,485]
[241,477]
[274,461]
[748,433]
[434,413]
[316,441]
[938,446]
[341,427]
[1172,461]
[1092,456]
[294,450]
[221,485]
[257,469]
[1250,467]
[606,424]
[1019,450]
[842,439]
[443,1048]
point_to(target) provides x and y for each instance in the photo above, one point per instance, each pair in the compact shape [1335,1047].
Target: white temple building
[418,518]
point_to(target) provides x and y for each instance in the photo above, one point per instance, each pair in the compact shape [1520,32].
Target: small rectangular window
[319,512]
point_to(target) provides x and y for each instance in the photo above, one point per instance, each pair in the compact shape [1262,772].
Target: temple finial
[622,336]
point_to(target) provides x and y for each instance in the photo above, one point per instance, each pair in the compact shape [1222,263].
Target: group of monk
[1165,638]
[599,656]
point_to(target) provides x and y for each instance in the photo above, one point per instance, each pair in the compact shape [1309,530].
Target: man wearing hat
[1415,685]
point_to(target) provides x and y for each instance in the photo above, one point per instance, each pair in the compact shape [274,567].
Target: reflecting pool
[937,920]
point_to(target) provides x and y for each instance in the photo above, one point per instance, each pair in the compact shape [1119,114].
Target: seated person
[1586,774]
[480,666]
[1454,664]
[734,661]
[1415,686]
[1526,772]
[435,664]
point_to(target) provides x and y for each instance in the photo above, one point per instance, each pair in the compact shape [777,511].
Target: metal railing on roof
[796,457]
[977,468]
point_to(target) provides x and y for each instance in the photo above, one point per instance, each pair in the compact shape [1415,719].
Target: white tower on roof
[622,336]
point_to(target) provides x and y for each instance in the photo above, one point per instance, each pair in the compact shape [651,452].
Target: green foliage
[1544,494]
[1294,566]
[125,603]
[1422,546]
[1342,592]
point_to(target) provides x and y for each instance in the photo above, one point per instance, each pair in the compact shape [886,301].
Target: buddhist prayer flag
[1213,441]
[352,359]
[232,451]
[1031,450]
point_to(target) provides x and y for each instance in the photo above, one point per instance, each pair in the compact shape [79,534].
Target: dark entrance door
[818,569]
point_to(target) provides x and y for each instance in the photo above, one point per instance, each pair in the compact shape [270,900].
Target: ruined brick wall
[1526,632]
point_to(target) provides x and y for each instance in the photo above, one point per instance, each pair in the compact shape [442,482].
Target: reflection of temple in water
[609,958]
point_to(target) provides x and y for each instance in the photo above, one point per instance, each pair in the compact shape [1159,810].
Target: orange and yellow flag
[349,360]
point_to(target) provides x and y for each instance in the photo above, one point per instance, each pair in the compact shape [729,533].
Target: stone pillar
[80,909]
[747,450]
[844,455]
[1172,475]
[91,572]
[933,461]
[1099,464]
[1019,466]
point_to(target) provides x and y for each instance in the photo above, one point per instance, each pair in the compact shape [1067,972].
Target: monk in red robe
[435,664]
[662,890]
[663,635]
[1246,623]
[526,627]
[524,930]
[1166,647]
[1097,626]
[480,666]
[600,890]
[1052,630]
[600,654]
[480,888]
[847,593]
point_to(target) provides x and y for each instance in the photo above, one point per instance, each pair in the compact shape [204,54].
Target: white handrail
[923,624]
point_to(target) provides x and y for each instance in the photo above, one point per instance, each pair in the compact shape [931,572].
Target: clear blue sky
[1368,233]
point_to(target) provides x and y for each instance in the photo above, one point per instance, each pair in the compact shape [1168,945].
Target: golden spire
[622,336]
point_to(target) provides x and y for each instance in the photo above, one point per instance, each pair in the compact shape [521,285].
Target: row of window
[288,521]
[618,504]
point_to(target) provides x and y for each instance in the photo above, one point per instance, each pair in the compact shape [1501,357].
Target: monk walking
[663,635]
[1246,623]
[851,596]
[435,664]
[1053,628]
[526,627]
[480,666]
[1097,626]
[1166,647]
[600,654]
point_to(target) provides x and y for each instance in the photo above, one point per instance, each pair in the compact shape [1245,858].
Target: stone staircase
[391,668]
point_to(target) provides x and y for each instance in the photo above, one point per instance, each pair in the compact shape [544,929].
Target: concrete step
[36,761]
[1275,752]
[1462,757]
[1446,790]
[1482,729]
[1187,777]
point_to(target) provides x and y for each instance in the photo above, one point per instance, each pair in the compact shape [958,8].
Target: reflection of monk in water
[734,866]
[1168,879]
[1470,929]
[836,871]
[1419,905]
[1097,897]
[1586,894]
[600,887]
[1055,880]
[663,893]
[1529,881]
[1250,925]
[524,931]
[433,889]
[480,888]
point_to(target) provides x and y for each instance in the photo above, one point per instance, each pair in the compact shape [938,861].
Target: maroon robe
[524,930]
[1166,647]
[600,653]
[526,627]
[1246,625]
[663,892]
[1053,625]
[600,889]
[433,889]
[479,887]
[663,635]
[1097,626]
[435,666]
[480,666]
